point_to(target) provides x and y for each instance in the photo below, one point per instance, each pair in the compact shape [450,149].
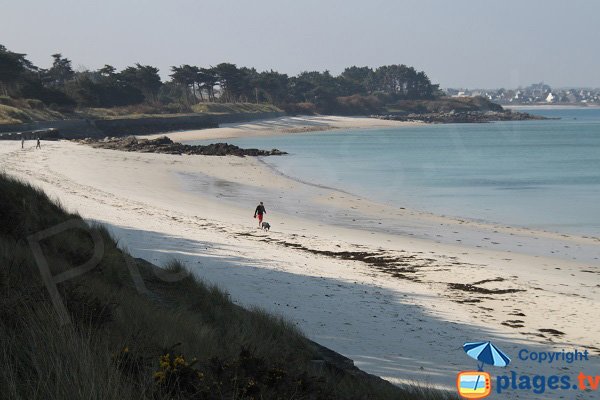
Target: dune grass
[173,109]
[150,334]
[18,111]
[232,108]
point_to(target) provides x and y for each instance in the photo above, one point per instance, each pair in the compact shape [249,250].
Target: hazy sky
[458,43]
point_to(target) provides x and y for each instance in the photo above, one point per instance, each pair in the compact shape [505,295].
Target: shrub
[300,108]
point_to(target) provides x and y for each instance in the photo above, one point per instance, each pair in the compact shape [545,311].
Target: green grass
[18,111]
[227,108]
[119,335]
[158,111]
[135,111]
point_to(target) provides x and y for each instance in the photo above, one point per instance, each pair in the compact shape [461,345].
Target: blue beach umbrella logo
[486,353]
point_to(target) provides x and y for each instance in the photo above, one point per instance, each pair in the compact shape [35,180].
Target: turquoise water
[538,174]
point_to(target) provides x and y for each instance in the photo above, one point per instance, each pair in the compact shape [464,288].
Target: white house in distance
[550,98]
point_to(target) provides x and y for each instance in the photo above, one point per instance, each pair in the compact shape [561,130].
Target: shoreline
[551,106]
[280,126]
[395,308]
[297,125]
[448,218]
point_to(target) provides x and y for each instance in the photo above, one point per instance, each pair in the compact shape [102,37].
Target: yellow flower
[159,376]
[165,361]
[179,360]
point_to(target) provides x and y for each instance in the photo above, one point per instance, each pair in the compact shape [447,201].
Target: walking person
[22,141]
[38,145]
[260,210]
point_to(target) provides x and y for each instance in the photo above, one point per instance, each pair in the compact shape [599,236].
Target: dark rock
[453,117]
[162,140]
[167,146]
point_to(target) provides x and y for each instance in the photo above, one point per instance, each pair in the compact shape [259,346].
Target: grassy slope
[124,344]
[143,111]
[226,108]
[17,111]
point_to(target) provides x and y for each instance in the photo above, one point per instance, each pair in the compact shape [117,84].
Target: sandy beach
[283,126]
[397,290]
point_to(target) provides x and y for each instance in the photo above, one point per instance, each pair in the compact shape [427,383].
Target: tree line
[62,86]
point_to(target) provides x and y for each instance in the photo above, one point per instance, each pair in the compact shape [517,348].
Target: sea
[540,174]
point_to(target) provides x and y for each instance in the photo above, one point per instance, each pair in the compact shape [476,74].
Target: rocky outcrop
[461,117]
[167,146]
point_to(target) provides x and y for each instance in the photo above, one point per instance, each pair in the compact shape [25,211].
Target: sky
[458,43]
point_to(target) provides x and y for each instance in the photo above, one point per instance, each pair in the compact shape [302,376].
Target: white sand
[283,126]
[401,328]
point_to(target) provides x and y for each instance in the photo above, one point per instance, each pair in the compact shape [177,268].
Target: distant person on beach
[38,145]
[22,141]
[260,210]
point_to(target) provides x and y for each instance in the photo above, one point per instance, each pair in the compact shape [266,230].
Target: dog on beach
[266,226]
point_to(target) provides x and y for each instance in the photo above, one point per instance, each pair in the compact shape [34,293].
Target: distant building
[532,94]
[518,95]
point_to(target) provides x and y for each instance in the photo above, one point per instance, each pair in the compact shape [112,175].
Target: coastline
[550,106]
[392,321]
[281,126]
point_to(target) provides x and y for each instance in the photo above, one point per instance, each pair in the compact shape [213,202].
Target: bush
[51,97]
[35,104]
[300,108]
[446,104]
[357,104]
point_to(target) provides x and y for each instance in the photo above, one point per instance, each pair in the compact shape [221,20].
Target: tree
[356,89]
[13,67]
[358,80]
[402,82]
[145,78]
[208,80]
[320,88]
[188,77]
[107,71]
[60,72]
[271,86]
[300,89]
[230,80]
[20,78]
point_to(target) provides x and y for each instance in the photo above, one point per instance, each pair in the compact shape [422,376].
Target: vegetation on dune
[357,90]
[133,331]
[227,108]
[444,105]
[17,111]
